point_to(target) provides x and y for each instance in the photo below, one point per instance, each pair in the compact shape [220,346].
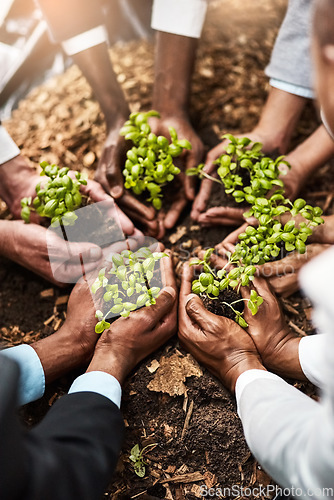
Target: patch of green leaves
[58,198]
[137,457]
[150,162]
[126,286]
[257,245]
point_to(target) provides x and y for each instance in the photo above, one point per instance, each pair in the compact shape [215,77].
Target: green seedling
[127,286]
[57,199]
[210,283]
[150,162]
[264,191]
[244,159]
[137,457]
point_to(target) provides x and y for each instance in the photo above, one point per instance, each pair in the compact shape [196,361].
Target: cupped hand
[190,158]
[33,247]
[18,180]
[283,274]
[129,340]
[226,215]
[217,342]
[275,342]
[109,169]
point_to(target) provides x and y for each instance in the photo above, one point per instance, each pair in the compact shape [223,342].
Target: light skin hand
[276,344]
[217,342]
[32,246]
[129,340]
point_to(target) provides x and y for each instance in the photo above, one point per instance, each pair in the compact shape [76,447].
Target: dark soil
[216,306]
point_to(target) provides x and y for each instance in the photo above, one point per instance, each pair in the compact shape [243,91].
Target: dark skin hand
[277,123]
[276,344]
[217,342]
[73,344]
[113,104]
[129,340]
[171,98]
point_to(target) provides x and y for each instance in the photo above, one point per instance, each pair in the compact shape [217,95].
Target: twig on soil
[187,419]
[297,329]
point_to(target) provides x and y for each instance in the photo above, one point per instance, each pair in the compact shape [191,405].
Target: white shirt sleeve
[8,148]
[179,17]
[85,40]
[311,357]
[32,379]
[100,382]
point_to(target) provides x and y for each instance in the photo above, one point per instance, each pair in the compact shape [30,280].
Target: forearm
[174,64]
[313,153]
[289,433]
[279,118]
[97,68]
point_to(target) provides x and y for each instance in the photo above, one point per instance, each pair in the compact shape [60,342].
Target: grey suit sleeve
[291,57]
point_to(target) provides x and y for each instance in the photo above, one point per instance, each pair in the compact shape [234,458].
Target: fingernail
[95,253]
[190,297]
[171,291]
[116,191]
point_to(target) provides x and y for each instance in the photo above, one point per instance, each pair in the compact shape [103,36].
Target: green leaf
[139,468]
[135,451]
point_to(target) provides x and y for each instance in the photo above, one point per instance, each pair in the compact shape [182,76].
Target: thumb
[89,252]
[199,314]
[163,306]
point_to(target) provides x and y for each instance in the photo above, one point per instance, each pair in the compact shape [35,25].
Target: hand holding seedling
[27,245]
[72,346]
[129,340]
[151,165]
[283,275]
[218,215]
[190,157]
[17,180]
[275,342]
[217,342]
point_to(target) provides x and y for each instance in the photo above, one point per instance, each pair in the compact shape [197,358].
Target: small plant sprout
[261,244]
[137,457]
[264,191]
[211,283]
[127,286]
[58,198]
[149,165]
[244,163]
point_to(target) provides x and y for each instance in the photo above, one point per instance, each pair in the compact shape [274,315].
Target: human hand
[109,169]
[217,342]
[276,344]
[73,344]
[283,274]
[18,180]
[129,340]
[189,159]
[219,215]
[33,247]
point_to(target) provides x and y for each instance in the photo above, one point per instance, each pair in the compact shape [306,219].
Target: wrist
[284,359]
[108,361]
[61,352]
[245,363]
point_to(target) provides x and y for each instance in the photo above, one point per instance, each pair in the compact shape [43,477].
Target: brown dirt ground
[61,122]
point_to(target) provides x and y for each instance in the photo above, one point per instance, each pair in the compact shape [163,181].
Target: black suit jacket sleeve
[70,455]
